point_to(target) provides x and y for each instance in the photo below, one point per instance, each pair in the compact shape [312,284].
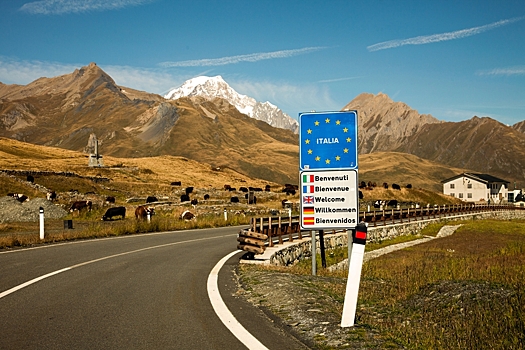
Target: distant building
[471,187]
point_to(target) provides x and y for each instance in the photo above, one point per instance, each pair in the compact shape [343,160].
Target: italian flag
[308,178]
[308,221]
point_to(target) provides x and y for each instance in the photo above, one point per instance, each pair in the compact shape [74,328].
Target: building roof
[484,178]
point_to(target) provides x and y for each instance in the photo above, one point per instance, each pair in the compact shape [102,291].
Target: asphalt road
[133,292]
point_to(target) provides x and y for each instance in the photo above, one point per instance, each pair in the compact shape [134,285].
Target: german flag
[308,220]
[308,210]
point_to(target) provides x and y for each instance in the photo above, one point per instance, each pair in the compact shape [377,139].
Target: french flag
[308,189]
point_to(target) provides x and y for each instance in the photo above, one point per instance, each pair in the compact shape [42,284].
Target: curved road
[133,292]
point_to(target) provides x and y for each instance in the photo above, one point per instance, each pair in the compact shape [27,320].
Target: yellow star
[337,122]
[309,131]
[310,151]
[327,161]
[337,158]
[327,121]
[348,139]
[317,158]
[307,141]
[345,150]
[316,123]
[345,130]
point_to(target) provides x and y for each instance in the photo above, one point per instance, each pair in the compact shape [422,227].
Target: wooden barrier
[263,231]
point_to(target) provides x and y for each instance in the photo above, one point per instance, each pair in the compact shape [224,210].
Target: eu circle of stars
[328,140]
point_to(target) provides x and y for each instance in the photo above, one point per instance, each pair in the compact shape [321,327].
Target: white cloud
[518,70]
[291,99]
[58,7]
[24,72]
[427,39]
[254,57]
[337,79]
[151,80]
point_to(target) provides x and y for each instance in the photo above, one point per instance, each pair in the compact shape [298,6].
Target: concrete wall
[302,249]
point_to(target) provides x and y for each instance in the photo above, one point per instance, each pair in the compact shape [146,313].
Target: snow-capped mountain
[211,87]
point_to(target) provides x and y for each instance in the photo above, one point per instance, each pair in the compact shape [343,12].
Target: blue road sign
[328,140]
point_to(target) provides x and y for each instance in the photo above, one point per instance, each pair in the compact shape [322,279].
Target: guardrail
[264,231]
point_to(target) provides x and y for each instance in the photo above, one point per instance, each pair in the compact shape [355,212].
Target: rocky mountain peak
[385,124]
[216,87]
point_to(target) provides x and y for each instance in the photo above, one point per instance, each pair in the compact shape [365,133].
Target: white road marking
[224,313]
[35,280]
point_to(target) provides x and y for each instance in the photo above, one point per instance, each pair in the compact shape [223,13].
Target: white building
[472,187]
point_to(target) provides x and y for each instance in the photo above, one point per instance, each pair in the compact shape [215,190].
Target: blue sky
[451,59]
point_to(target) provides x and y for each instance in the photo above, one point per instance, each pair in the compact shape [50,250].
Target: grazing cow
[409,186]
[79,205]
[361,195]
[378,204]
[176,183]
[184,198]
[189,190]
[151,199]
[396,187]
[227,187]
[30,178]
[362,184]
[115,211]
[187,215]
[51,196]
[142,212]
[286,203]
[194,201]
[267,188]
[206,197]
[234,199]
[110,199]
[385,185]
[243,189]
[256,189]
[19,197]
[392,203]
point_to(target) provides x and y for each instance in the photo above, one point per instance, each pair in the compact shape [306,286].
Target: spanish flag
[308,210]
[308,220]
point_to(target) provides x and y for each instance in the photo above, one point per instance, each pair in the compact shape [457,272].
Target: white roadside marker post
[41,223]
[225,215]
[355,264]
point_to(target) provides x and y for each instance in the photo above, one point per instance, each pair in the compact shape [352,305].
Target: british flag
[308,199]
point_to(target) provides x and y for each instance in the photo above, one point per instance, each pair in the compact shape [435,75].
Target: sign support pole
[314,255]
[321,246]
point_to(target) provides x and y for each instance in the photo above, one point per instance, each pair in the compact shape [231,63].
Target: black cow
[79,205]
[30,178]
[184,198]
[112,212]
[110,199]
[409,186]
[151,199]
[396,187]
[206,197]
[227,187]
[361,195]
[392,203]
[176,183]
[194,201]
[243,189]
[377,204]
[189,190]
[234,199]
[19,197]
[385,185]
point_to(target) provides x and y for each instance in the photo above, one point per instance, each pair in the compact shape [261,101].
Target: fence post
[270,232]
[279,232]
